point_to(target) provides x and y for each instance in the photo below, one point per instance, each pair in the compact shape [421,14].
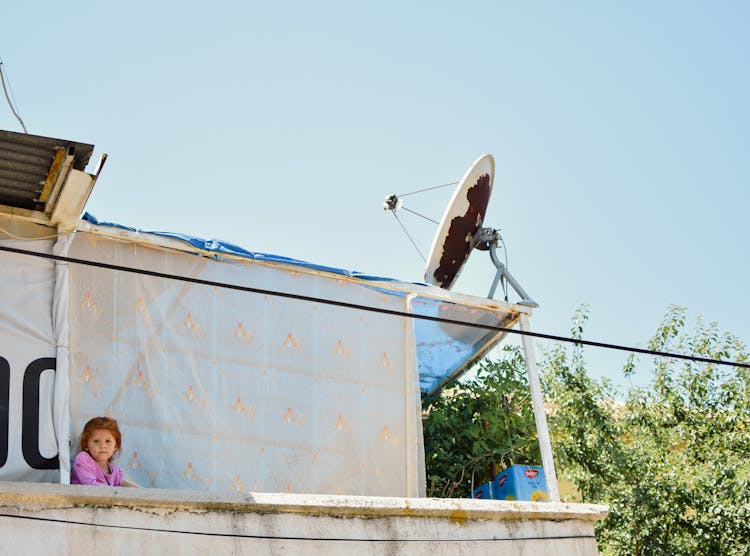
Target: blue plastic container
[520,482]
[517,482]
[483,492]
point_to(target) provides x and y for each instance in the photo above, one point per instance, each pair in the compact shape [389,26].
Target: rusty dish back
[463,217]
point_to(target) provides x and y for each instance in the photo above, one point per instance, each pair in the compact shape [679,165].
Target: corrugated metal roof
[25,164]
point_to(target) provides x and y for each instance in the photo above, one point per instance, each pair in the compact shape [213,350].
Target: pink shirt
[87,472]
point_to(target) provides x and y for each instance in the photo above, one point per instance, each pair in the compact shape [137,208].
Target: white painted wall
[38,518]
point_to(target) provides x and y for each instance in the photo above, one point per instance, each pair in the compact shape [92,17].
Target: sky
[620,133]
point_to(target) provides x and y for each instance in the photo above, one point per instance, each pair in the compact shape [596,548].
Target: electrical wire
[12,236]
[289,538]
[505,251]
[392,312]
[12,94]
[5,90]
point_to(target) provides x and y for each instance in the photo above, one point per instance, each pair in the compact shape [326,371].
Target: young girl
[100,442]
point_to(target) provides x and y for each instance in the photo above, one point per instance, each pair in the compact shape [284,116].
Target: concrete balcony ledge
[87,520]
[67,496]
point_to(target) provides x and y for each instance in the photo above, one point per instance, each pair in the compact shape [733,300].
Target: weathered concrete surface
[38,518]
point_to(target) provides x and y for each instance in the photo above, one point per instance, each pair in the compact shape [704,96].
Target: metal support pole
[537,400]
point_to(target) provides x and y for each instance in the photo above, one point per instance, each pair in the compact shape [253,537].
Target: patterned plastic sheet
[442,351]
[218,389]
[222,390]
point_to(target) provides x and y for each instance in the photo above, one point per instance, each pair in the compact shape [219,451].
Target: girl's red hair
[103,423]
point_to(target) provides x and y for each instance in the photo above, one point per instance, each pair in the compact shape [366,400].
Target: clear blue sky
[621,136]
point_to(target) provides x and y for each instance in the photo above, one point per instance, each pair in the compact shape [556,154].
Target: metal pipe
[537,400]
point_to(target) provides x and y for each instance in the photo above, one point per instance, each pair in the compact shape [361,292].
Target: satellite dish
[462,218]
[460,231]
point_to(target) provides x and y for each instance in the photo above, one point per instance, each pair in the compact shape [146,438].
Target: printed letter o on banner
[30,426]
[4,409]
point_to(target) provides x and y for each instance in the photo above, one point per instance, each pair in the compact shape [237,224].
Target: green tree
[670,460]
[586,435]
[479,426]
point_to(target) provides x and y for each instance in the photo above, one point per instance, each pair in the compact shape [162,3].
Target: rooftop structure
[231,372]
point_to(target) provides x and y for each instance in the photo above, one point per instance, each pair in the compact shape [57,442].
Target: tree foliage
[675,474]
[478,427]
[671,460]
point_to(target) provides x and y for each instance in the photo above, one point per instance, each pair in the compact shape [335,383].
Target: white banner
[28,446]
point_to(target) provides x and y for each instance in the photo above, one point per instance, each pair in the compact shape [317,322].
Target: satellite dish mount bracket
[487,239]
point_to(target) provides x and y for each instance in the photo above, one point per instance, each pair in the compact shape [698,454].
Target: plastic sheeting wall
[217,389]
[27,371]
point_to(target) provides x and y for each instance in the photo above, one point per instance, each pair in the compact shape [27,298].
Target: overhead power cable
[367,308]
[5,90]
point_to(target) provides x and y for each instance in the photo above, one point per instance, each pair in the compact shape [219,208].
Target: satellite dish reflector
[462,219]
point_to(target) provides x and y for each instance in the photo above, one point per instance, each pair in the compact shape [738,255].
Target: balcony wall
[50,518]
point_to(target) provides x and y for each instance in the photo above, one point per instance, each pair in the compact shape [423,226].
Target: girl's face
[101,446]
